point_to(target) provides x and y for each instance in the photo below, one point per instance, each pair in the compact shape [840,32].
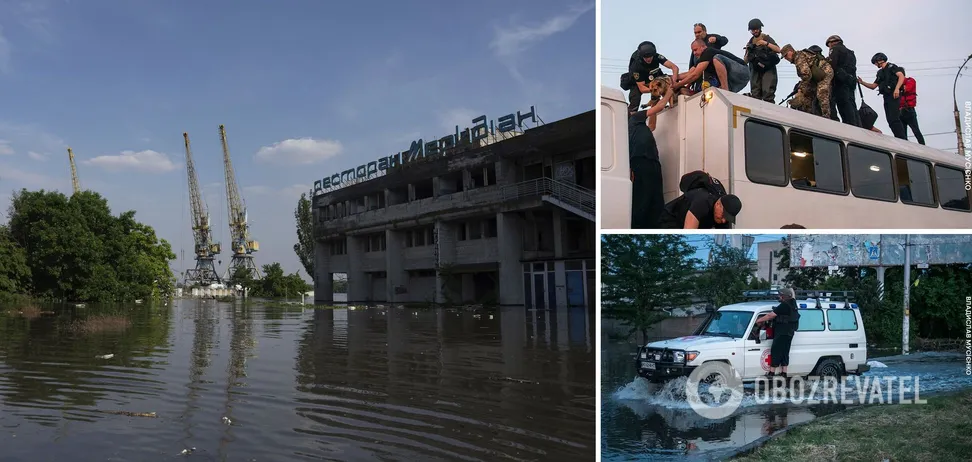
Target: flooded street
[252,382]
[655,422]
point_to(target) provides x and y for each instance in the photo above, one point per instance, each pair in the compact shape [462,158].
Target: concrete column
[505,171]
[394,266]
[468,288]
[509,229]
[323,278]
[880,278]
[558,233]
[467,183]
[560,282]
[447,254]
[436,186]
[367,203]
[359,286]
[388,198]
[411,192]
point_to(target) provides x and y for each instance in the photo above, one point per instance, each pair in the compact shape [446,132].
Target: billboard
[824,250]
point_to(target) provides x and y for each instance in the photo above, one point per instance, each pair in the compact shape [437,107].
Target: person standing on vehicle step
[844,63]
[888,82]
[711,40]
[786,320]
[647,195]
[909,99]
[644,65]
[761,55]
[815,76]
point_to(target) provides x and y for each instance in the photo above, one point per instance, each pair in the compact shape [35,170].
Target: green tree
[14,271]
[305,234]
[642,274]
[726,276]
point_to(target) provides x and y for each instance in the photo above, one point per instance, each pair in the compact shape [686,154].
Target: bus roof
[761,305]
[813,123]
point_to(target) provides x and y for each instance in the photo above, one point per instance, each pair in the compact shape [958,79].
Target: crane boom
[205,271]
[74,172]
[243,246]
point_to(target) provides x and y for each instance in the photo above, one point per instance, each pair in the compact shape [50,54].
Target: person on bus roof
[645,65]
[786,320]
[888,82]
[909,99]
[713,41]
[700,209]
[717,67]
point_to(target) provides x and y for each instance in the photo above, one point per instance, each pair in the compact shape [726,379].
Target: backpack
[626,81]
[909,95]
[816,71]
[701,180]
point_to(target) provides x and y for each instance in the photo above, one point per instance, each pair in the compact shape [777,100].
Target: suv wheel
[830,367]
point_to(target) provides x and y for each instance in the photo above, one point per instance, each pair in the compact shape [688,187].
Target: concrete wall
[766,262]
[510,247]
[358,287]
[378,289]
[323,283]
[477,251]
[420,289]
[419,258]
[394,265]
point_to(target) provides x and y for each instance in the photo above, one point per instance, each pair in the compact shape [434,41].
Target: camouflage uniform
[810,90]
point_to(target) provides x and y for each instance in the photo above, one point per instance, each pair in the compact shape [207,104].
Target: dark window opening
[578,236]
[423,190]
[951,188]
[765,154]
[421,274]
[477,178]
[870,173]
[462,231]
[816,164]
[339,247]
[914,182]
[490,174]
[532,172]
[475,230]
[585,173]
[491,228]
[376,243]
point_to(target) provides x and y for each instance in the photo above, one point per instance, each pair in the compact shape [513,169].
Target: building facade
[508,222]
[767,259]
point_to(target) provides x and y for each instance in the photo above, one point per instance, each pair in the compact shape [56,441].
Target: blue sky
[919,38]
[702,242]
[305,88]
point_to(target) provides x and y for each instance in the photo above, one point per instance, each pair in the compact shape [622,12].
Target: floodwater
[655,422]
[252,382]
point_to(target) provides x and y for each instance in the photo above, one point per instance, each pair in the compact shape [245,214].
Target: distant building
[507,219]
[767,259]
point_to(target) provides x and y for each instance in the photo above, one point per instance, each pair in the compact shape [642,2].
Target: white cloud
[288,192]
[300,151]
[143,161]
[514,39]
[5,149]
[294,191]
[37,156]
[18,178]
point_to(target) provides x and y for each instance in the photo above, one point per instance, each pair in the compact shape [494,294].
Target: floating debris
[150,415]
[108,356]
[79,305]
[186,452]
[227,421]
[138,302]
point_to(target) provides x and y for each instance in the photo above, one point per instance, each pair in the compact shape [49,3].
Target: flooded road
[655,422]
[251,382]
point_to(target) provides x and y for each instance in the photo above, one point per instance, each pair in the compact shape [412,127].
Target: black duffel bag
[868,115]
[626,81]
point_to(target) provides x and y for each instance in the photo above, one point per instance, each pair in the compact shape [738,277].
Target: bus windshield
[729,324]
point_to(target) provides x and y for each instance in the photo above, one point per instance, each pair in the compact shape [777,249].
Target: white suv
[830,341]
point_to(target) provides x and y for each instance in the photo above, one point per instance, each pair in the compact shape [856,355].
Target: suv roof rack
[817,295]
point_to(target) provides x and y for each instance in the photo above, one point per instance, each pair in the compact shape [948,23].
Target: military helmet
[646,49]
[755,23]
[816,49]
[834,38]
[878,57]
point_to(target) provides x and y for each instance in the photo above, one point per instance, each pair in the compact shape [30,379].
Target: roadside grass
[938,430]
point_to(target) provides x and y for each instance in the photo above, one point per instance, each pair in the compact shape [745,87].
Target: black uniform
[700,202]
[641,72]
[647,195]
[887,79]
[719,43]
[762,75]
[784,326]
[844,63]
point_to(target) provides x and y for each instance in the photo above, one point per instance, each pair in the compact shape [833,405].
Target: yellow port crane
[74,172]
[241,243]
[204,274]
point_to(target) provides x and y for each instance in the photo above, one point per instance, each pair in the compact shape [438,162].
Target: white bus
[787,167]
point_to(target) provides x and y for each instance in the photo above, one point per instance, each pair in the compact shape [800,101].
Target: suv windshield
[729,324]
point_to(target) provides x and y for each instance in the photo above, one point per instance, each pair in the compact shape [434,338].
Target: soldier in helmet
[844,63]
[644,66]
[815,76]
[888,82]
[761,55]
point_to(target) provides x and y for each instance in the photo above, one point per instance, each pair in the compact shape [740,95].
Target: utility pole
[958,123]
[907,295]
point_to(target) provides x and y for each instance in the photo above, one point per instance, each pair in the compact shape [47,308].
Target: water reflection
[241,382]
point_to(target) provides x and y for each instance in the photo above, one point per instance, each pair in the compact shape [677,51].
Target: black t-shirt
[641,142]
[787,318]
[640,70]
[708,54]
[887,79]
[700,203]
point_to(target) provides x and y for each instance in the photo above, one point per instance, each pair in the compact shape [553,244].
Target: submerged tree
[305,234]
[642,274]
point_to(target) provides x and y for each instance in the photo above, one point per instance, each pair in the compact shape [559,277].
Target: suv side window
[841,320]
[811,321]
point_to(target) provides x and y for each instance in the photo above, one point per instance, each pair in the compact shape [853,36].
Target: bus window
[816,163]
[870,173]
[765,159]
[914,181]
[951,188]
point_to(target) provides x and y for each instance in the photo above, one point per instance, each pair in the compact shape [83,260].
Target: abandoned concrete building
[508,221]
